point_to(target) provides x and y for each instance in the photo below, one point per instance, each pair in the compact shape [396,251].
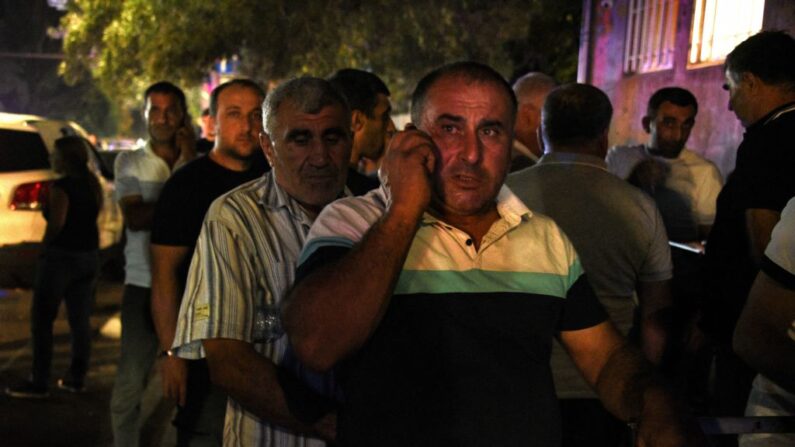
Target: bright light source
[58,4]
[718,26]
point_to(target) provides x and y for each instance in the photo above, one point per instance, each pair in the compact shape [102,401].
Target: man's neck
[657,152]
[230,163]
[475,225]
[530,145]
[167,151]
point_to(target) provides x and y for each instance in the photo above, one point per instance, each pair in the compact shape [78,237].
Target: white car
[26,142]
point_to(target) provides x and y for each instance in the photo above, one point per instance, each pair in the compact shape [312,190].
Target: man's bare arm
[627,386]
[655,305]
[166,297]
[251,380]
[137,213]
[760,337]
[759,225]
[333,311]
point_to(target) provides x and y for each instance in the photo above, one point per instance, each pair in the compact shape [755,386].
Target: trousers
[69,276]
[138,353]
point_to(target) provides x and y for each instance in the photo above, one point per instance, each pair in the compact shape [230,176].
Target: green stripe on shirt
[483,281]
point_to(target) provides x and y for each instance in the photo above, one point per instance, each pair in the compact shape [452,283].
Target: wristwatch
[167,353]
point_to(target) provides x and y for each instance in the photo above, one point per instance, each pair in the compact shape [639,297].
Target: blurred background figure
[371,122]
[67,268]
[685,187]
[531,90]
[207,140]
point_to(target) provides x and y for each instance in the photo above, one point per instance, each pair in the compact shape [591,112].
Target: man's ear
[213,123]
[646,121]
[751,81]
[540,139]
[267,147]
[358,119]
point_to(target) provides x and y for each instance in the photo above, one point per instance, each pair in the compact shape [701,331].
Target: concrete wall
[717,132]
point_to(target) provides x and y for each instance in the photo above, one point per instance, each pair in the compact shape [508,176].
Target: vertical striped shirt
[244,262]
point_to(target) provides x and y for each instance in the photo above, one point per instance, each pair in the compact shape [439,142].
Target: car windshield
[22,151]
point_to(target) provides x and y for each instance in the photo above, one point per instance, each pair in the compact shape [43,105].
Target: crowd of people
[506,279]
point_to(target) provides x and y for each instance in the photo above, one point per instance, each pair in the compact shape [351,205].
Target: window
[22,151]
[719,25]
[651,33]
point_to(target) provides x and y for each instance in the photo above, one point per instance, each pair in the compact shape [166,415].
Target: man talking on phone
[140,175]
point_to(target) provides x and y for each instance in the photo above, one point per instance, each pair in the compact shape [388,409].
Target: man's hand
[406,171]
[186,142]
[174,371]
[659,426]
[649,174]
[326,427]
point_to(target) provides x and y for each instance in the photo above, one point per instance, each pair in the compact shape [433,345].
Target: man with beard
[368,98]
[683,184]
[140,176]
[236,117]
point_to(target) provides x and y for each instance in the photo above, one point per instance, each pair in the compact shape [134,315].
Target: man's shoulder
[345,221]
[701,166]
[242,200]
[627,150]
[126,158]
[188,175]
[622,159]
[692,157]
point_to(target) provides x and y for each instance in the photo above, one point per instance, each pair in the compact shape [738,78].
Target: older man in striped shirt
[245,261]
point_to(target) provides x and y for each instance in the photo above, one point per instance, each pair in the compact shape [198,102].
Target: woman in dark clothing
[67,268]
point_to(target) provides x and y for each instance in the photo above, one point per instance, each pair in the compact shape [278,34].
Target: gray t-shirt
[616,229]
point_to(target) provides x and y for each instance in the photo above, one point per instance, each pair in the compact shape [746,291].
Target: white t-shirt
[139,172]
[690,191]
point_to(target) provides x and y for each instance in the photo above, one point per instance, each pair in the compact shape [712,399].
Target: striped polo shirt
[243,265]
[461,356]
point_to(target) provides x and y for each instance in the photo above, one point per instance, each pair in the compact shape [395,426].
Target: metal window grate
[718,26]
[651,34]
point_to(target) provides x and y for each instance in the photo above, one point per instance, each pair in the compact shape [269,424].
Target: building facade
[631,48]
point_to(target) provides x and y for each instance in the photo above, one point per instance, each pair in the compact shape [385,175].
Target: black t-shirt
[80,232]
[764,178]
[360,184]
[185,199]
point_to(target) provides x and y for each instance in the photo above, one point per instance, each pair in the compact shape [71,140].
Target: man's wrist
[167,353]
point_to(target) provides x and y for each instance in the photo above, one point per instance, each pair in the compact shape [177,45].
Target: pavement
[67,419]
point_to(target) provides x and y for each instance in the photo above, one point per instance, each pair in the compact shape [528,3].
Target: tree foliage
[125,44]
[29,81]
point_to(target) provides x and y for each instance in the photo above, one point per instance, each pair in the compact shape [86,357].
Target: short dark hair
[309,94]
[360,88]
[467,70]
[769,55]
[674,95]
[167,88]
[575,114]
[246,83]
